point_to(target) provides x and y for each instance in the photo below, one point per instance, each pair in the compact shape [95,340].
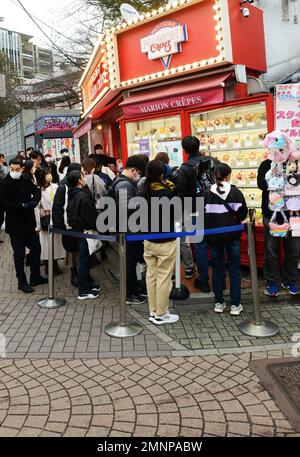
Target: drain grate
[288,376]
[281,378]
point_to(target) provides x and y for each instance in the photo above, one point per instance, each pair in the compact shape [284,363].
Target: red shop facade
[190,68]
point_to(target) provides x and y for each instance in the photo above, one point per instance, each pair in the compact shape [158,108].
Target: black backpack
[111,189]
[202,174]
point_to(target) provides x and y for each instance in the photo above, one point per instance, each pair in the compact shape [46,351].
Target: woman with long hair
[159,254]
[225,206]
[48,189]
[93,181]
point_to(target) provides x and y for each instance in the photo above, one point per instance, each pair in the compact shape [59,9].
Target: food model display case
[235,136]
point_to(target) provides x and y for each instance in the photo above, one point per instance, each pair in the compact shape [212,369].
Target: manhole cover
[281,378]
[288,376]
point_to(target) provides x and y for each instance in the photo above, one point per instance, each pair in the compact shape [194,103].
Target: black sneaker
[25,287]
[190,272]
[135,299]
[38,281]
[88,296]
[203,287]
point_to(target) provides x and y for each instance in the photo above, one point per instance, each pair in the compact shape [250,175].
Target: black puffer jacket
[81,211]
[13,193]
[58,205]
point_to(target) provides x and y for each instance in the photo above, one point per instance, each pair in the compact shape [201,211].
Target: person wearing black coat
[82,215]
[19,196]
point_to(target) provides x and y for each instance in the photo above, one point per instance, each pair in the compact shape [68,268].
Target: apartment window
[285,10]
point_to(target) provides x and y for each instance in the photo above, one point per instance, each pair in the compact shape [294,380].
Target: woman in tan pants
[159,254]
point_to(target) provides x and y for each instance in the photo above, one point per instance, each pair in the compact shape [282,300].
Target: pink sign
[195,99]
[288,109]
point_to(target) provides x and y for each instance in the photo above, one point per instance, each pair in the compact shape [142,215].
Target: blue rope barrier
[153,236]
[84,235]
[212,231]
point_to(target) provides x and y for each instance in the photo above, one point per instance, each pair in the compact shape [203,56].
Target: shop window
[236,136]
[156,135]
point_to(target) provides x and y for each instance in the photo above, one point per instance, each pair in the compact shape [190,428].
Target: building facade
[30,61]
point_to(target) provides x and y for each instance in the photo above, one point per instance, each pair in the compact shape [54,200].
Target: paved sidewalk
[62,376]
[178,396]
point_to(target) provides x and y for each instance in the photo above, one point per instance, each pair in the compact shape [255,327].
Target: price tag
[252,163]
[210,129]
[223,146]
[263,123]
[201,129]
[227,126]
[241,183]
[238,126]
[248,143]
[212,146]
[236,145]
[253,183]
[202,147]
[240,164]
[250,124]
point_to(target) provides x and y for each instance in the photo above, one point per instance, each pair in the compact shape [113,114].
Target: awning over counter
[188,94]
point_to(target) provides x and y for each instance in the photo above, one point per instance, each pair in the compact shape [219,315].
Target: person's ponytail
[222,170]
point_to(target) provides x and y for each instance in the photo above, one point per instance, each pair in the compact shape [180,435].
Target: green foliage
[8,105]
[110,9]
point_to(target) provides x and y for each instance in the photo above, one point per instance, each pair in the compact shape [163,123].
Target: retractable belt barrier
[125,328]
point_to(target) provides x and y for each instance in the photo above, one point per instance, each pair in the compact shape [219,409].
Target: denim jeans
[201,254]
[291,247]
[233,251]
[84,282]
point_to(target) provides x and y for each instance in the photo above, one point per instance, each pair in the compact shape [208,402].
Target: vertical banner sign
[288,110]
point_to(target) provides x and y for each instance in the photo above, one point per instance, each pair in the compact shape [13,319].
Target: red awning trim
[178,88]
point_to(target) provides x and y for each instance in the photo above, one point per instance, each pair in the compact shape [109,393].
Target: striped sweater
[217,215]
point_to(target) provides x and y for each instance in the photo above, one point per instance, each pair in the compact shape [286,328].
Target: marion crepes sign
[164,41]
[288,109]
[195,99]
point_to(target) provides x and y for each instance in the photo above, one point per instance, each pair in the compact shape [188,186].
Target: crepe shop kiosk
[190,67]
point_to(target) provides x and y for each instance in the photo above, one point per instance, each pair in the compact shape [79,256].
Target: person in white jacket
[48,190]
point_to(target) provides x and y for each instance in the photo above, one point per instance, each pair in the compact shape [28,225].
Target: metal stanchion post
[256,327]
[123,329]
[51,302]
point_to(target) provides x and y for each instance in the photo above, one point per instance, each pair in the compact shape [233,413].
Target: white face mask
[48,159]
[15,174]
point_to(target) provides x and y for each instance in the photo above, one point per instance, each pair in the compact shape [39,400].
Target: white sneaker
[236,310]
[168,318]
[152,316]
[220,307]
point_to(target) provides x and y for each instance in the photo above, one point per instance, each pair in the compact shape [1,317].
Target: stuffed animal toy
[279,144]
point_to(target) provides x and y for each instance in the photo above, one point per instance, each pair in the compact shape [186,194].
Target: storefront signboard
[56,123]
[164,41]
[288,110]
[196,99]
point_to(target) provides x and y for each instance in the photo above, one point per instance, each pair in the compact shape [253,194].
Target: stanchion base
[116,330]
[265,329]
[50,303]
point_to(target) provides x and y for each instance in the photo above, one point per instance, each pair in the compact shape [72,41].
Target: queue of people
[35,193]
